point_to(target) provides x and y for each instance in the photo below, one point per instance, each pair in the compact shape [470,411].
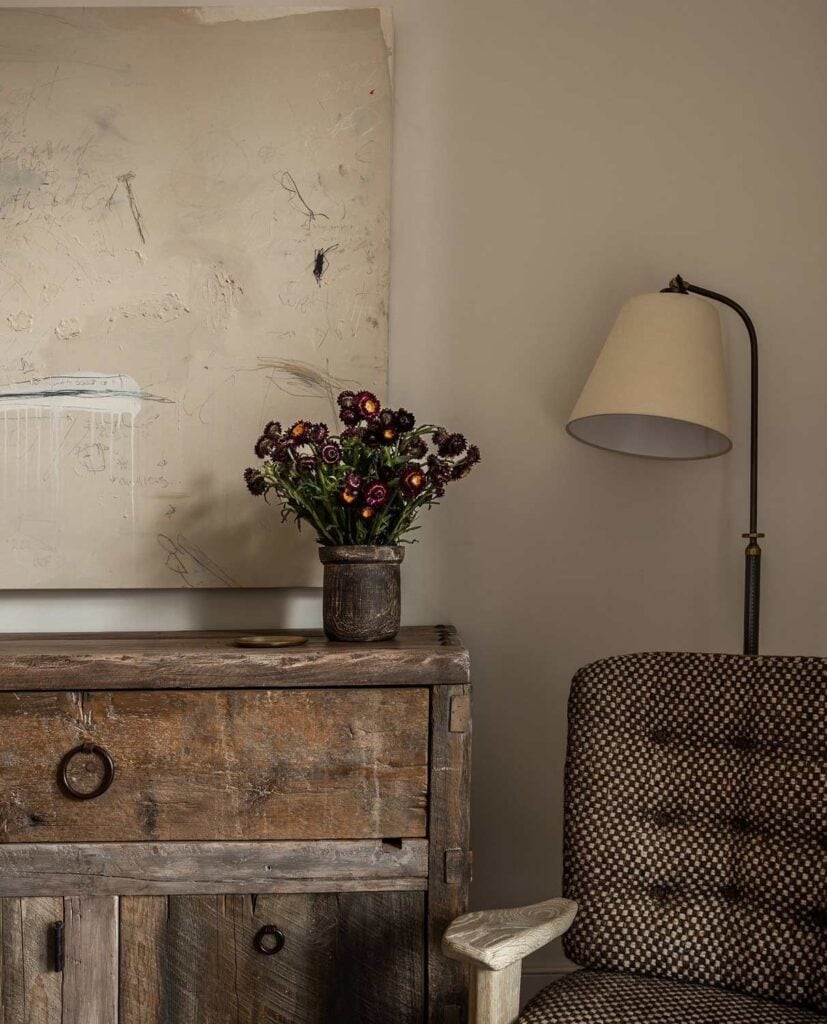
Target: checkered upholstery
[606,997]
[696,826]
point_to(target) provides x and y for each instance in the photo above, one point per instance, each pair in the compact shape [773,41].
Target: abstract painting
[194,239]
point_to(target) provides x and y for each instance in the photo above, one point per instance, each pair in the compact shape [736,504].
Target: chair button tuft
[660,735]
[745,743]
[817,918]
[740,824]
[662,891]
[731,893]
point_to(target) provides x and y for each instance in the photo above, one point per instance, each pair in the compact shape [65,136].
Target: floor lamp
[658,390]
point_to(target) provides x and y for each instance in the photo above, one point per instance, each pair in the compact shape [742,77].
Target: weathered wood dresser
[197,833]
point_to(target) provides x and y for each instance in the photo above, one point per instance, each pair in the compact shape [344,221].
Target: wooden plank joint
[458,865]
[460,717]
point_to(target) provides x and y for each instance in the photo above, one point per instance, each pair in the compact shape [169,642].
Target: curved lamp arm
[752,575]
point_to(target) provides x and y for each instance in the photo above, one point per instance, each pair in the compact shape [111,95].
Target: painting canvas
[194,238]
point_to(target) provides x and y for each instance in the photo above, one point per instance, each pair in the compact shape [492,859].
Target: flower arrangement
[366,484]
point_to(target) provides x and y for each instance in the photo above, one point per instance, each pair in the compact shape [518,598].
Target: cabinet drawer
[201,765]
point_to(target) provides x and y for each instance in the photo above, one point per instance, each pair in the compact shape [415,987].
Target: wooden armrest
[498,938]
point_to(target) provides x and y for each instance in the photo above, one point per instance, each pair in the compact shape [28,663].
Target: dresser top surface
[419,656]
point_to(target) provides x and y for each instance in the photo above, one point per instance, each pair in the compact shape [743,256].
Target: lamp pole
[752,573]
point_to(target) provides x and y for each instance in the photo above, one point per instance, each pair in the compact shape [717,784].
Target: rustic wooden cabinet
[197,833]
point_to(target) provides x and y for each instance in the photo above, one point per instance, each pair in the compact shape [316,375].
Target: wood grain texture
[450,854]
[348,958]
[495,995]
[280,764]
[495,939]
[418,656]
[74,869]
[30,989]
[362,592]
[90,977]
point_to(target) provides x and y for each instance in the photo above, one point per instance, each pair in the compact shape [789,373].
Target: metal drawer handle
[269,940]
[108,771]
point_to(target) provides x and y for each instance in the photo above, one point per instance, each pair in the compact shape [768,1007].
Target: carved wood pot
[362,591]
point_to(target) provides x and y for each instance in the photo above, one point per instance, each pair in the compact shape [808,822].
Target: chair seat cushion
[607,997]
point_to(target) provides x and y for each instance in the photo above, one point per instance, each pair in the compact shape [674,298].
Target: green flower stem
[306,510]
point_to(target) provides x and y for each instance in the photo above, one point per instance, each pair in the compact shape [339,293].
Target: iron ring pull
[108,771]
[276,937]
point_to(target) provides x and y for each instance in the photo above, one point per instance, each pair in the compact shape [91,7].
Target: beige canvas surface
[168,179]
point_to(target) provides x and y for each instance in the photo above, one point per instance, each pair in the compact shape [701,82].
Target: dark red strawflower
[348,434]
[387,417]
[405,420]
[306,463]
[280,450]
[299,431]
[318,433]
[375,494]
[415,448]
[274,449]
[353,481]
[331,453]
[264,447]
[452,445]
[372,435]
[368,404]
[464,466]
[346,400]
[439,470]
[412,481]
[273,430]
[349,416]
[441,435]
[256,483]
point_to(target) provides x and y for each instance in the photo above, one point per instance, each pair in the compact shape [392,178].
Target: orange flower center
[371,407]
[298,430]
[389,434]
[348,498]
[367,512]
[416,480]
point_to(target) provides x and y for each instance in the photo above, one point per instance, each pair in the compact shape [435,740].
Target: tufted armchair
[695,852]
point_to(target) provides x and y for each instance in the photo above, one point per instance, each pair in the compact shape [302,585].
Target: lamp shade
[658,387]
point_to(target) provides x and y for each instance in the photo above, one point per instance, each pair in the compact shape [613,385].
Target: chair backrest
[696,821]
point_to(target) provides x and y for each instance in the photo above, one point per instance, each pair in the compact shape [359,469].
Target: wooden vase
[362,591]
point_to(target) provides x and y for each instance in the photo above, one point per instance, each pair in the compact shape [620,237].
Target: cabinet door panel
[90,974]
[30,987]
[355,957]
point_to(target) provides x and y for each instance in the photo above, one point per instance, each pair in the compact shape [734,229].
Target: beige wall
[551,158]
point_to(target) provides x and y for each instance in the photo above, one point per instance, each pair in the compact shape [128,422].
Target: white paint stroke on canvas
[196,207]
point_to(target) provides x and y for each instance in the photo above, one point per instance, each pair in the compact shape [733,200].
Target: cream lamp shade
[658,388]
